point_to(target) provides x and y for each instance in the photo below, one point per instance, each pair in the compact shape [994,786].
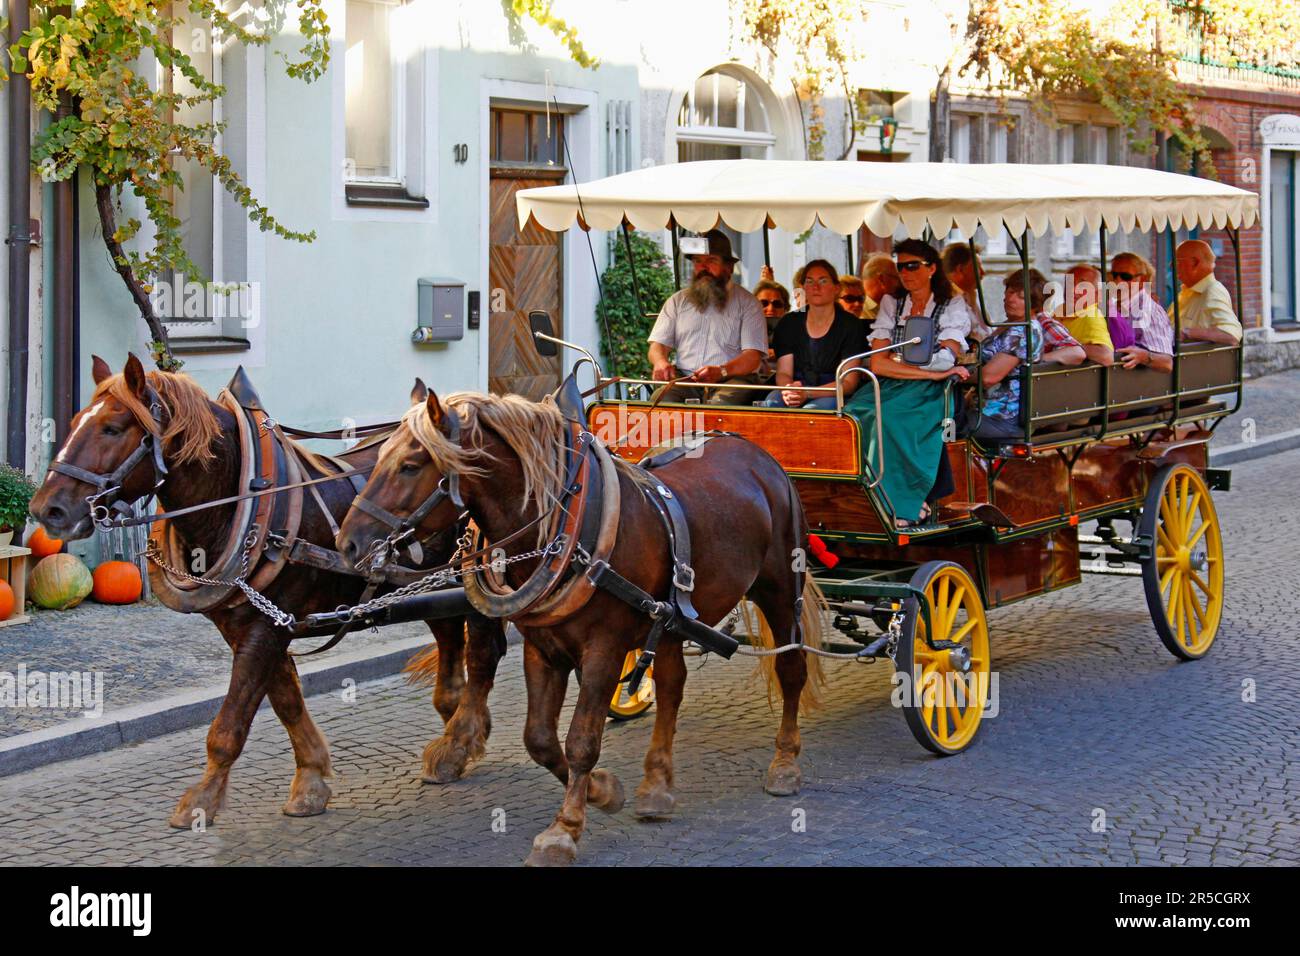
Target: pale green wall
[338,312]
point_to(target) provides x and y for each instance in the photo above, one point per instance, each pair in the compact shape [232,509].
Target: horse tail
[810,629]
[423,667]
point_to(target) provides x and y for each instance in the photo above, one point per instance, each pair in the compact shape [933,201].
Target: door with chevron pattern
[527,269]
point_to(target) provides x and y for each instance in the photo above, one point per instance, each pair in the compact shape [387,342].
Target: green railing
[1198,41]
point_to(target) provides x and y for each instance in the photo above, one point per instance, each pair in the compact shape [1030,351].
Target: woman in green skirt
[912,396]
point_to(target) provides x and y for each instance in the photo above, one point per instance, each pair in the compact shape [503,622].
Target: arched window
[723,117]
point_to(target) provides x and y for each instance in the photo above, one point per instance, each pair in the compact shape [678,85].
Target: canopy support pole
[767,246]
[979,286]
[1236,301]
[631,264]
[1178,322]
[1103,300]
[1027,403]
[677,255]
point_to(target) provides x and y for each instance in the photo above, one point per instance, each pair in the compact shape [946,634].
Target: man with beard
[717,329]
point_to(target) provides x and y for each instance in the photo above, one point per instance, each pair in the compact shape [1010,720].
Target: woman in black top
[810,344]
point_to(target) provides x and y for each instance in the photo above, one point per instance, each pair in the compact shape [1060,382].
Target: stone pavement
[1096,717]
[145,651]
[1271,403]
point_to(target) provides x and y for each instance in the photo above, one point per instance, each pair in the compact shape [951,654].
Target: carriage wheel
[948,688]
[625,707]
[1183,578]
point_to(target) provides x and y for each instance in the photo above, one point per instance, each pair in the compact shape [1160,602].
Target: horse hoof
[783,780]
[552,849]
[613,788]
[196,809]
[654,805]
[310,802]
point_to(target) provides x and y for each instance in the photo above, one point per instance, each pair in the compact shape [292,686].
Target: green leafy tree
[81,63]
[624,323]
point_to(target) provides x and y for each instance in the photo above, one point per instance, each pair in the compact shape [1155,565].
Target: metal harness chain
[263,604]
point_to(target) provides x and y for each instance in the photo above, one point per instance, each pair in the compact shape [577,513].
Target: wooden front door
[525,272]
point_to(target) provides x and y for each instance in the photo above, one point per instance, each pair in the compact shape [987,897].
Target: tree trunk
[939,111]
[162,351]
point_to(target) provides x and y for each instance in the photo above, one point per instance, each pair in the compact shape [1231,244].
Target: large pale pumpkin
[117,582]
[60,581]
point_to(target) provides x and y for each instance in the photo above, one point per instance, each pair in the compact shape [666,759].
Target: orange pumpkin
[42,545]
[6,601]
[117,582]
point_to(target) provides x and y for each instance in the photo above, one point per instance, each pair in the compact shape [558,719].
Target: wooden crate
[13,568]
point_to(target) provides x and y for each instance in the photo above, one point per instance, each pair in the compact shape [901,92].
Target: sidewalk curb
[80,737]
[1248,451]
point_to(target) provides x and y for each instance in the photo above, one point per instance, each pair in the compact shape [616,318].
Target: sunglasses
[911,265]
[1124,276]
[772,304]
[853,298]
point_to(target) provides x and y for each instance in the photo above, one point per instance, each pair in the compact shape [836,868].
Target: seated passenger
[879,279]
[810,344]
[1081,314]
[1139,328]
[852,297]
[965,270]
[1204,306]
[1003,352]
[775,302]
[716,328]
[912,397]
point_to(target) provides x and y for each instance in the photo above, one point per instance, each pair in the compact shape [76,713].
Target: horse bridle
[405,527]
[110,484]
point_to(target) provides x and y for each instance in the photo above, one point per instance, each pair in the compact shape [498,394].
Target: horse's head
[413,491]
[118,445]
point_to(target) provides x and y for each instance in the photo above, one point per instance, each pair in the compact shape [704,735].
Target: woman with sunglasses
[810,344]
[1140,330]
[912,396]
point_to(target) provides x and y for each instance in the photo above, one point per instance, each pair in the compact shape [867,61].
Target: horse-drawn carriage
[537,510]
[1097,444]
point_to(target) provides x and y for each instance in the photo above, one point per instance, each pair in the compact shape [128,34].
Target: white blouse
[955,322]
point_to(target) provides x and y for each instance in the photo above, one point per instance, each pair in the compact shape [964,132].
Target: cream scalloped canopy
[846,195]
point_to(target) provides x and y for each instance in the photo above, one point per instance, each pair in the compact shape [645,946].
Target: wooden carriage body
[1097,436]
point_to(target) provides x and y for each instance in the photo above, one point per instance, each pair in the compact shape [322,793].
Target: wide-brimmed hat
[719,245]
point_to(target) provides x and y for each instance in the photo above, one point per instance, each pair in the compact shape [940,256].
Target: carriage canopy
[843,196]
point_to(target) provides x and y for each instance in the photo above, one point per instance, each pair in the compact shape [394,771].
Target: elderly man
[879,279]
[964,271]
[1139,327]
[717,330]
[1204,305]
[1081,315]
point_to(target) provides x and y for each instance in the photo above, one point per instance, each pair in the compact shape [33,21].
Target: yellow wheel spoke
[956,603]
[1166,577]
[1206,525]
[965,629]
[1175,603]
[1193,501]
[1169,519]
[1165,541]
[1200,583]
[1189,597]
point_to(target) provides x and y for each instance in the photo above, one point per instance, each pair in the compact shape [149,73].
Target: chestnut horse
[747,531]
[201,452]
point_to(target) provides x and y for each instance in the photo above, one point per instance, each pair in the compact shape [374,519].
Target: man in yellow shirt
[1081,315]
[1204,305]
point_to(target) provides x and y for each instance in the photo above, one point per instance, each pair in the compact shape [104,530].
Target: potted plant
[16,491]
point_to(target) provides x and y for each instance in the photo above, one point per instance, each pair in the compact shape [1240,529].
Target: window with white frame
[375,75]
[995,151]
[1282,168]
[186,302]
[722,116]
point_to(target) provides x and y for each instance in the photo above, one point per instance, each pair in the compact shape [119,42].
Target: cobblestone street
[1095,715]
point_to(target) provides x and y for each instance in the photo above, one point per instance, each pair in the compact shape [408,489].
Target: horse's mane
[533,430]
[192,427]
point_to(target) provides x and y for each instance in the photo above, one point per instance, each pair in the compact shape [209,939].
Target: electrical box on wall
[441,310]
